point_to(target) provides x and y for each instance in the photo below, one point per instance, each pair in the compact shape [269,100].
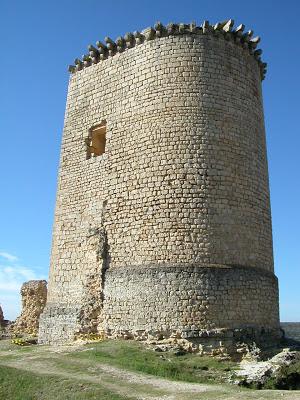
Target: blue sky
[38,41]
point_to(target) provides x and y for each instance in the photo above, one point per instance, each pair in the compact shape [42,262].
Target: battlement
[223,30]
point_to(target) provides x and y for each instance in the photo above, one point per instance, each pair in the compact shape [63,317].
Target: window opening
[96,140]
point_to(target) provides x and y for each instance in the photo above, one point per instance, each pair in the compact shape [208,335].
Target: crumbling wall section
[65,318]
[1,317]
[92,300]
[34,296]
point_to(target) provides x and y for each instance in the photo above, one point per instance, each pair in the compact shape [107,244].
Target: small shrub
[91,337]
[20,342]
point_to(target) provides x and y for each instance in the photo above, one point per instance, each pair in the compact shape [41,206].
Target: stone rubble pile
[258,372]
[222,343]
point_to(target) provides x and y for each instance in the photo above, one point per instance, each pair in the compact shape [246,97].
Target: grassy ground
[117,370]
[135,357]
[21,385]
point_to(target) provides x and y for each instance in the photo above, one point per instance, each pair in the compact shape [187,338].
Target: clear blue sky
[38,41]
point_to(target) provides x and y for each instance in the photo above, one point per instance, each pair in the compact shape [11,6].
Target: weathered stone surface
[34,296]
[5,326]
[257,373]
[1,317]
[194,300]
[192,303]
[59,323]
[170,228]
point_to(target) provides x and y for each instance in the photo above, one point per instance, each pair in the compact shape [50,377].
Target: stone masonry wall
[189,299]
[183,180]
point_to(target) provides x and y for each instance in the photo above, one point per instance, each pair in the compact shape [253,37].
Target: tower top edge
[224,29]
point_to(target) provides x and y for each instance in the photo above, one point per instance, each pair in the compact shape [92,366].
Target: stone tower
[162,219]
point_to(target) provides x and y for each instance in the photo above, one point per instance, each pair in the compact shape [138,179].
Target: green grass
[20,385]
[135,357]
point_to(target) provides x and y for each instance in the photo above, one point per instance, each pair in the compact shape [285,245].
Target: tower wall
[170,229]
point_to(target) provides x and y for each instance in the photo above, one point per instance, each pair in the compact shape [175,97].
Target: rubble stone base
[206,305]
[58,324]
[211,306]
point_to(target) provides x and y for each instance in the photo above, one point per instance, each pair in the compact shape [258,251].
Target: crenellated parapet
[225,30]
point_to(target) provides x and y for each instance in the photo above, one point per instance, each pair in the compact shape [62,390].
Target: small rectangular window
[96,140]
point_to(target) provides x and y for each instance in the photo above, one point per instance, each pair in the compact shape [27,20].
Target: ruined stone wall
[183,182]
[1,317]
[33,296]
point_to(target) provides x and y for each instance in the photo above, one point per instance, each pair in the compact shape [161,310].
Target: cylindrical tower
[182,187]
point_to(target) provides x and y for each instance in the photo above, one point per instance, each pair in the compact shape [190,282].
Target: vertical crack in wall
[104,249]
[97,254]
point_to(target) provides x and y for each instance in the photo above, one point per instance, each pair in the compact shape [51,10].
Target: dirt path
[131,384]
[134,385]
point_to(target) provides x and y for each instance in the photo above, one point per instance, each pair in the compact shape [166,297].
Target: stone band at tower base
[205,305]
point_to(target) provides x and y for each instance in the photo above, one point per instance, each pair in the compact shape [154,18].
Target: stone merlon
[224,30]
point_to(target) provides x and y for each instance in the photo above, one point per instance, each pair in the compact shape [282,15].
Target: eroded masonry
[162,221]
